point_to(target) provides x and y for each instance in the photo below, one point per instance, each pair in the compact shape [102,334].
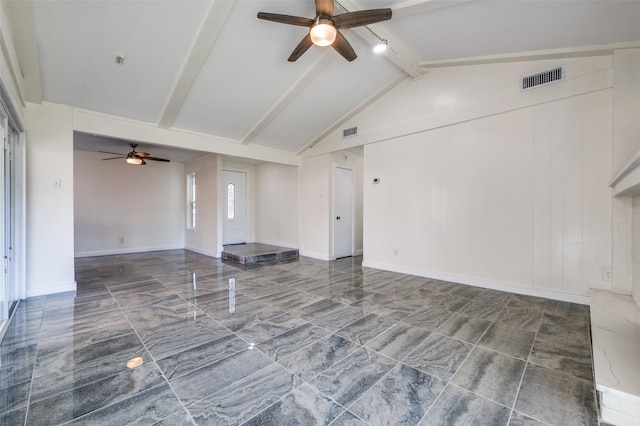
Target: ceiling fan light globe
[323,34]
[134,160]
[380,47]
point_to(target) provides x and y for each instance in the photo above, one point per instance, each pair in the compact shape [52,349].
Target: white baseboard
[110,252]
[358,252]
[209,253]
[51,289]
[319,256]
[477,282]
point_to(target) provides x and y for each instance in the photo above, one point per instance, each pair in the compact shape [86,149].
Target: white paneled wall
[517,200]
[206,238]
[119,208]
[277,204]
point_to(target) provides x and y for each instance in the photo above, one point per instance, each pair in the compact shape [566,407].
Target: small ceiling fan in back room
[324,28]
[134,157]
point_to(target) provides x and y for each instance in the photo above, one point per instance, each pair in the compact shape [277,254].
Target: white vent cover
[542,78]
[351,131]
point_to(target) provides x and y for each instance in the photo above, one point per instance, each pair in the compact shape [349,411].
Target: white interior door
[234,216]
[343,187]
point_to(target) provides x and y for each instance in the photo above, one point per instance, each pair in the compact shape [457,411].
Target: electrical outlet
[606,274]
[395,252]
[121,240]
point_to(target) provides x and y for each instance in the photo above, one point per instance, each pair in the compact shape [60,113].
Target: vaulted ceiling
[212,67]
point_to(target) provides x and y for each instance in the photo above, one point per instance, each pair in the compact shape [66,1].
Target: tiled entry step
[256,252]
[615,328]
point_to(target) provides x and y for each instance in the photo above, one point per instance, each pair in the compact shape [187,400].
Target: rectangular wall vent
[542,78]
[351,131]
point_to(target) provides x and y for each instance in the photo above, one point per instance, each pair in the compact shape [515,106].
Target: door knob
[338,217]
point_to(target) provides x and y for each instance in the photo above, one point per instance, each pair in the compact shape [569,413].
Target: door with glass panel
[234,215]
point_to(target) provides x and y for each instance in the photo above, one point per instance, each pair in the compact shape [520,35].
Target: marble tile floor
[298,342]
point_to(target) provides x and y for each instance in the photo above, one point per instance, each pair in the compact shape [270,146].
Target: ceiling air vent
[542,78]
[351,131]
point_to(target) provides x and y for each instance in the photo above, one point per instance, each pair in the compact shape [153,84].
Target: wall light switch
[57,183]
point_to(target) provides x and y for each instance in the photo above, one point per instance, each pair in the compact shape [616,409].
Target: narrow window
[231,201]
[191,203]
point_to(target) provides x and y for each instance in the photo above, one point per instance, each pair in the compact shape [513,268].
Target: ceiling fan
[324,28]
[134,157]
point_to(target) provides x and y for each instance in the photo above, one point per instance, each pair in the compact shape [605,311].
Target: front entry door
[343,187]
[234,215]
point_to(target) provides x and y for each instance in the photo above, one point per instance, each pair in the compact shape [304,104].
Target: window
[231,201]
[191,201]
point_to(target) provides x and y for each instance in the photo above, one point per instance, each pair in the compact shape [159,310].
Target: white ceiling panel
[78,42]
[214,68]
[246,72]
[338,89]
[480,28]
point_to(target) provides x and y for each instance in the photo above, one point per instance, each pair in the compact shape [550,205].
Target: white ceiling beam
[290,95]
[212,25]
[395,52]
[23,58]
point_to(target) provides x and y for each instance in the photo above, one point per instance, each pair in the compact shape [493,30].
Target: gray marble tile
[258,312]
[180,418]
[13,397]
[456,406]
[563,355]
[519,419]
[482,309]
[74,403]
[15,417]
[464,327]
[262,330]
[491,374]
[148,407]
[365,328]
[303,406]
[528,318]
[430,318]
[314,359]
[337,318]
[207,353]
[399,340]
[508,340]
[207,380]
[351,377]
[290,299]
[290,341]
[181,335]
[245,398]
[555,397]
[348,419]
[438,355]
[402,396]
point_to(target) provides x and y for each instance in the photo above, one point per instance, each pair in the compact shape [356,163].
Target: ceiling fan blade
[141,154]
[343,47]
[324,8]
[155,159]
[361,17]
[113,158]
[286,19]
[302,47]
[114,153]
[143,162]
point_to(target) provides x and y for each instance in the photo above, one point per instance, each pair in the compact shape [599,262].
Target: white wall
[487,185]
[50,252]
[315,207]
[316,198]
[205,238]
[120,208]
[277,204]
[636,250]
